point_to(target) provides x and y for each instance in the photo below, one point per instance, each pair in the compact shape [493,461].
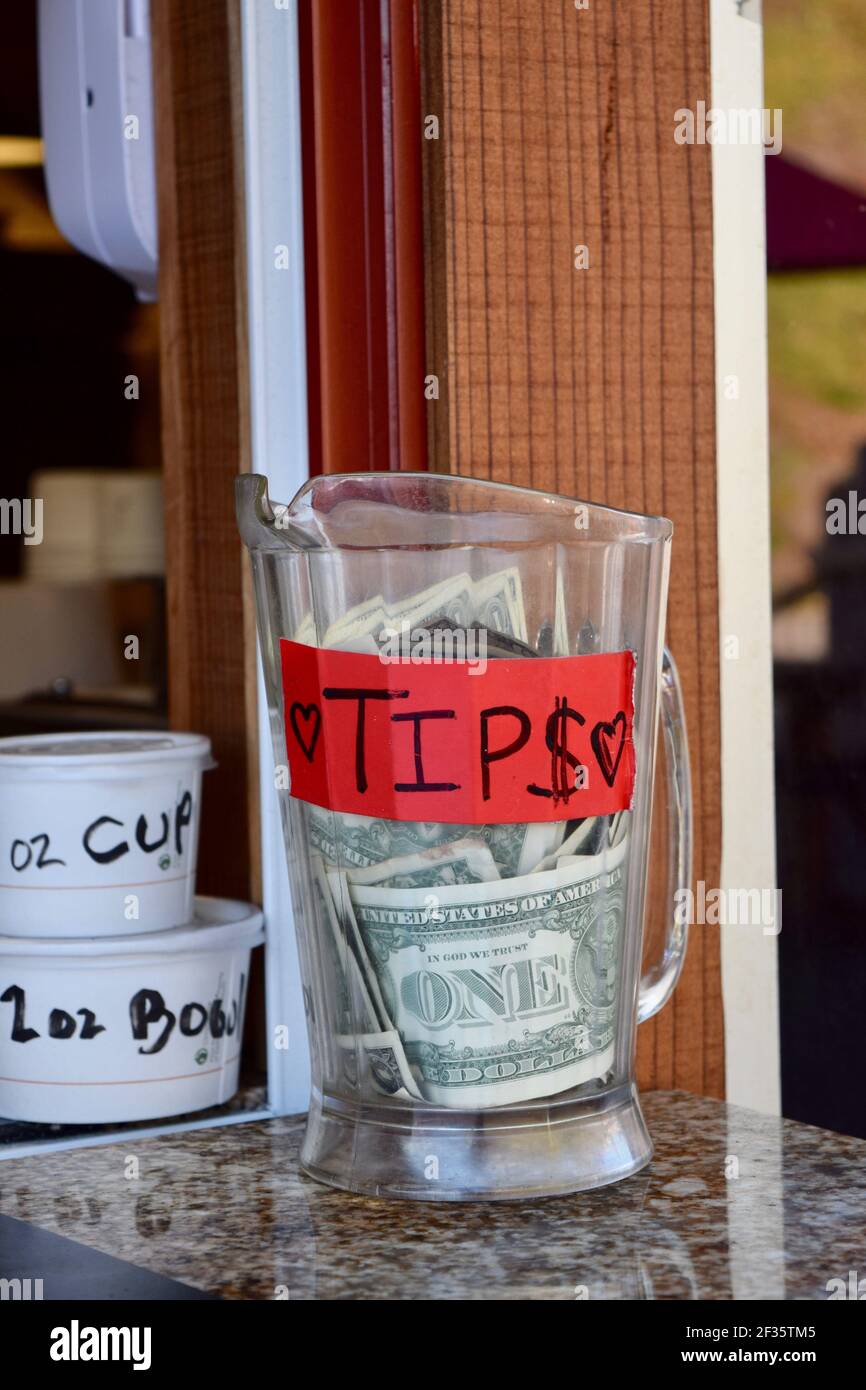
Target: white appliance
[97,129]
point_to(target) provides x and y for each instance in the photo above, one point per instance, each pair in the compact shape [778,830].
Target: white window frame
[280,449]
[750,988]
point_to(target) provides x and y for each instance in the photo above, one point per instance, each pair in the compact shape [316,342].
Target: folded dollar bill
[500,992]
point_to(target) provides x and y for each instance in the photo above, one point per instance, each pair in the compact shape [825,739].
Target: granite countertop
[734,1205]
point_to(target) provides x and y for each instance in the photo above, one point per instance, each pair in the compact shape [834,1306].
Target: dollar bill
[366,1049]
[305,632]
[589,836]
[378,1060]
[451,599]
[494,604]
[498,603]
[503,992]
[351,841]
[374,1011]
[461,861]
[353,1002]
[560,619]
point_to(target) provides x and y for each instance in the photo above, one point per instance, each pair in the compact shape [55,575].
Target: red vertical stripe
[361,135]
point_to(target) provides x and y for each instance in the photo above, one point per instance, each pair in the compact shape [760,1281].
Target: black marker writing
[95,834]
[187,1013]
[147,1007]
[419,785]
[141,834]
[182,819]
[496,755]
[61,1025]
[104,856]
[556,738]
[20,1032]
[362,696]
[21,854]
[147,1010]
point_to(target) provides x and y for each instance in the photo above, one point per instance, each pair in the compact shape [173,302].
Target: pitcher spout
[263,525]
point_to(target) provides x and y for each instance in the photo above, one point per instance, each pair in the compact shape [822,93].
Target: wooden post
[570,319]
[204,415]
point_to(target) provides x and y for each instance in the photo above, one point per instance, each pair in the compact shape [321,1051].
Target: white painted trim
[278,407]
[749,957]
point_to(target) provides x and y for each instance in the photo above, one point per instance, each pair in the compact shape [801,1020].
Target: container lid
[78,757]
[218,923]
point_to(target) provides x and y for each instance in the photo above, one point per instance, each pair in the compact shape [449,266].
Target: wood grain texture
[557,131]
[204,417]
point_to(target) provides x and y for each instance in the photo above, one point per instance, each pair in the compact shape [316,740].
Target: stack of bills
[475,965]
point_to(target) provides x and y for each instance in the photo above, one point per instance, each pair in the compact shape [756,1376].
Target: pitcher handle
[659,980]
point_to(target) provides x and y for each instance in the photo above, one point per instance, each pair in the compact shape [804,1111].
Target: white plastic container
[99,832]
[133,1028]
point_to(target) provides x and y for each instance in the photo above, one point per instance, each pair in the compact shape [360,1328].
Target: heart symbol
[311,716]
[602,740]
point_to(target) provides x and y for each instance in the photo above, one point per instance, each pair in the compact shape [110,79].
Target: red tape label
[523,740]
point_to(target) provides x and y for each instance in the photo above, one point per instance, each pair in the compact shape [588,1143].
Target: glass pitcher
[463,682]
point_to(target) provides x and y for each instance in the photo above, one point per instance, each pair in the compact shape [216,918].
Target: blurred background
[815,62]
[80,364]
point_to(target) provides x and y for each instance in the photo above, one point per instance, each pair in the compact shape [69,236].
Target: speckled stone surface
[734,1205]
